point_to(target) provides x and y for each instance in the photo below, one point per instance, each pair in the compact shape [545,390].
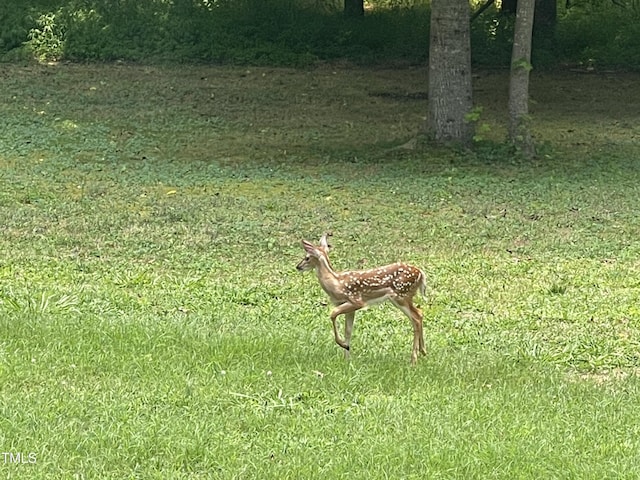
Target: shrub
[46,40]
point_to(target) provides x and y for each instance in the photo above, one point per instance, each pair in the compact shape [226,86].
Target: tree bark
[519,120]
[450,94]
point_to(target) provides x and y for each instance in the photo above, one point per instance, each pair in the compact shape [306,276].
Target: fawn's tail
[423,284]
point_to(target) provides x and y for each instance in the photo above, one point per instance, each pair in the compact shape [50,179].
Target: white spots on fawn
[399,277]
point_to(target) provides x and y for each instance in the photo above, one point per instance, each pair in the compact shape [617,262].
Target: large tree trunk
[519,121]
[354,8]
[450,94]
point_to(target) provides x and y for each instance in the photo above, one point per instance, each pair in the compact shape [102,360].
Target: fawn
[353,290]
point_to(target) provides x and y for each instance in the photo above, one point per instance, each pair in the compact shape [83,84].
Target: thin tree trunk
[519,120]
[354,8]
[545,18]
[450,94]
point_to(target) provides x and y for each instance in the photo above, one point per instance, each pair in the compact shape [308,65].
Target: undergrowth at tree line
[588,34]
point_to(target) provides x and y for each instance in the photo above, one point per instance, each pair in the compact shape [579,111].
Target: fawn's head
[314,253]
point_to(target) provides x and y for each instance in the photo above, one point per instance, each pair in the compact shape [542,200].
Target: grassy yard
[153,326]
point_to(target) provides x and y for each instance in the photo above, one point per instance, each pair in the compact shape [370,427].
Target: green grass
[152,323]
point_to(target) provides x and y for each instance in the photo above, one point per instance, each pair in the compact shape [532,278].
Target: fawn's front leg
[347,309]
[348,328]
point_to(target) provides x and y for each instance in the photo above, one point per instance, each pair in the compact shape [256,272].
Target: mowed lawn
[153,325]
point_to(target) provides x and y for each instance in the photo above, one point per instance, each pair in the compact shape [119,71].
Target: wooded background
[589,34]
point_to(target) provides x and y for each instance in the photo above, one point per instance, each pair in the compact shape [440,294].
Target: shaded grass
[153,325]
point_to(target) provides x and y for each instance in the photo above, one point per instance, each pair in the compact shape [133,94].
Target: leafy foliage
[297,32]
[46,41]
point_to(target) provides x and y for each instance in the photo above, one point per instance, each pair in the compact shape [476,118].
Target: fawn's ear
[323,241]
[309,247]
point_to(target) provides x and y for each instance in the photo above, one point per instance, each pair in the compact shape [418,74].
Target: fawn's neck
[328,279]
